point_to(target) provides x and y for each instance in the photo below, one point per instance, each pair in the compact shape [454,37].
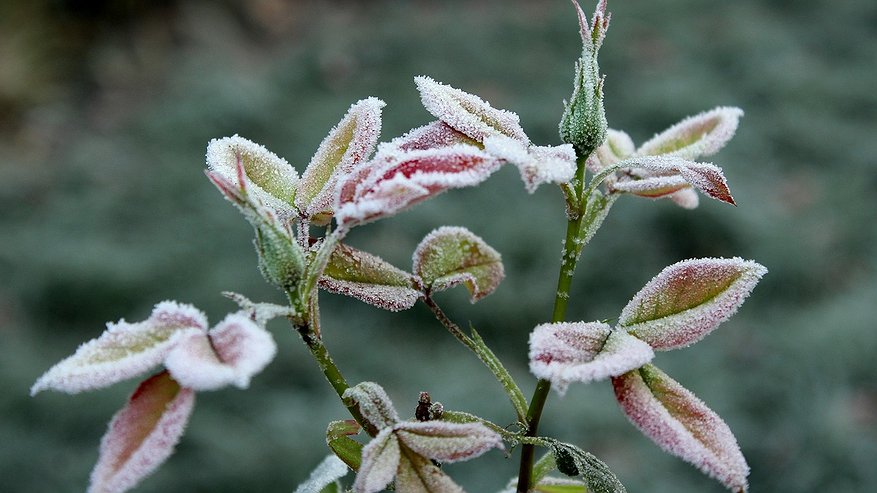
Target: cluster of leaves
[352,180]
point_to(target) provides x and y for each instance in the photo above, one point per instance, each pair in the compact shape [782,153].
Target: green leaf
[573,461]
[449,256]
[338,439]
[368,278]
[501,373]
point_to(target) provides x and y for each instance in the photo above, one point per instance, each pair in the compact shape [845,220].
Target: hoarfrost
[537,164]
[450,255]
[380,460]
[448,442]
[369,278]
[706,177]
[374,404]
[327,472]
[416,474]
[430,136]
[695,136]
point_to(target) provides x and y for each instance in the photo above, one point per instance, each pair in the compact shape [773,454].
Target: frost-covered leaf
[681,424]
[417,474]
[326,473]
[430,136]
[700,135]
[663,173]
[452,255]
[369,278]
[374,404]
[230,354]
[272,179]
[573,461]
[124,350]
[688,300]
[338,439]
[348,143]
[537,164]
[447,442]
[142,435]
[566,352]
[380,460]
[260,313]
[394,181]
[468,113]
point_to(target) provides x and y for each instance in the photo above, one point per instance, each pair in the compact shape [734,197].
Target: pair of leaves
[404,451]
[143,434]
[446,257]
[678,307]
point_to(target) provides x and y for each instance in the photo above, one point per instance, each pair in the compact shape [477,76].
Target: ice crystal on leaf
[349,143]
[124,350]
[327,472]
[659,176]
[230,354]
[583,352]
[449,256]
[274,181]
[681,424]
[430,136]
[447,442]
[374,404]
[537,164]
[688,300]
[467,113]
[695,136]
[142,435]
[395,180]
[368,278]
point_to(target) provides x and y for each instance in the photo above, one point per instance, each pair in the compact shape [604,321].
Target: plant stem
[571,250]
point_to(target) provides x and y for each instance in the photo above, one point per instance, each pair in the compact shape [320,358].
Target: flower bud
[281,260]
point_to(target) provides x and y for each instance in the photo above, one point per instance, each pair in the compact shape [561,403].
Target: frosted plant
[301,224]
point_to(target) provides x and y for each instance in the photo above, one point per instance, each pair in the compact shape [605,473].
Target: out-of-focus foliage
[106,109]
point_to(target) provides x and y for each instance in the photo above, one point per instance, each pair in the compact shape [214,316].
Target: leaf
[396,180]
[273,180]
[346,449]
[374,404]
[124,350]
[348,143]
[368,278]
[380,460]
[430,136]
[326,473]
[560,485]
[688,300]
[142,435]
[484,353]
[416,474]
[230,354]
[573,461]
[447,442]
[681,424]
[468,113]
[449,256]
[700,135]
[566,352]
[260,313]
[659,173]
[537,164]
[617,147]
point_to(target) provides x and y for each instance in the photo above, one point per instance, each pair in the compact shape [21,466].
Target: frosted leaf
[652,186]
[374,404]
[417,474]
[573,461]
[468,113]
[348,143]
[617,147]
[449,256]
[537,164]
[688,300]
[700,135]
[327,472]
[345,448]
[142,435]
[273,181]
[124,350]
[260,313]
[566,352]
[369,278]
[380,460]
[447,442]
[430,136]
[230,354]
[397,180]
[706,177]
[686,198]
[681,424]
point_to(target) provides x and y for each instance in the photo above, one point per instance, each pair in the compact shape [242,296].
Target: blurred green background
[105,111]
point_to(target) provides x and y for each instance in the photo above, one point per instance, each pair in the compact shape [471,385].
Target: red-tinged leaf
[537,164]
[374,404]
[124,350]
[380,461]
[142,435]
[270,178]
[447,442]
[417,474]
[449,256]
[706,177]
[348,143]
[681,424]
[230,354]
[338,439]
[688,300]
[700,135]
[583,352]
[395,181]
[468,113]
[652,186]
[430,136]
[369,278]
